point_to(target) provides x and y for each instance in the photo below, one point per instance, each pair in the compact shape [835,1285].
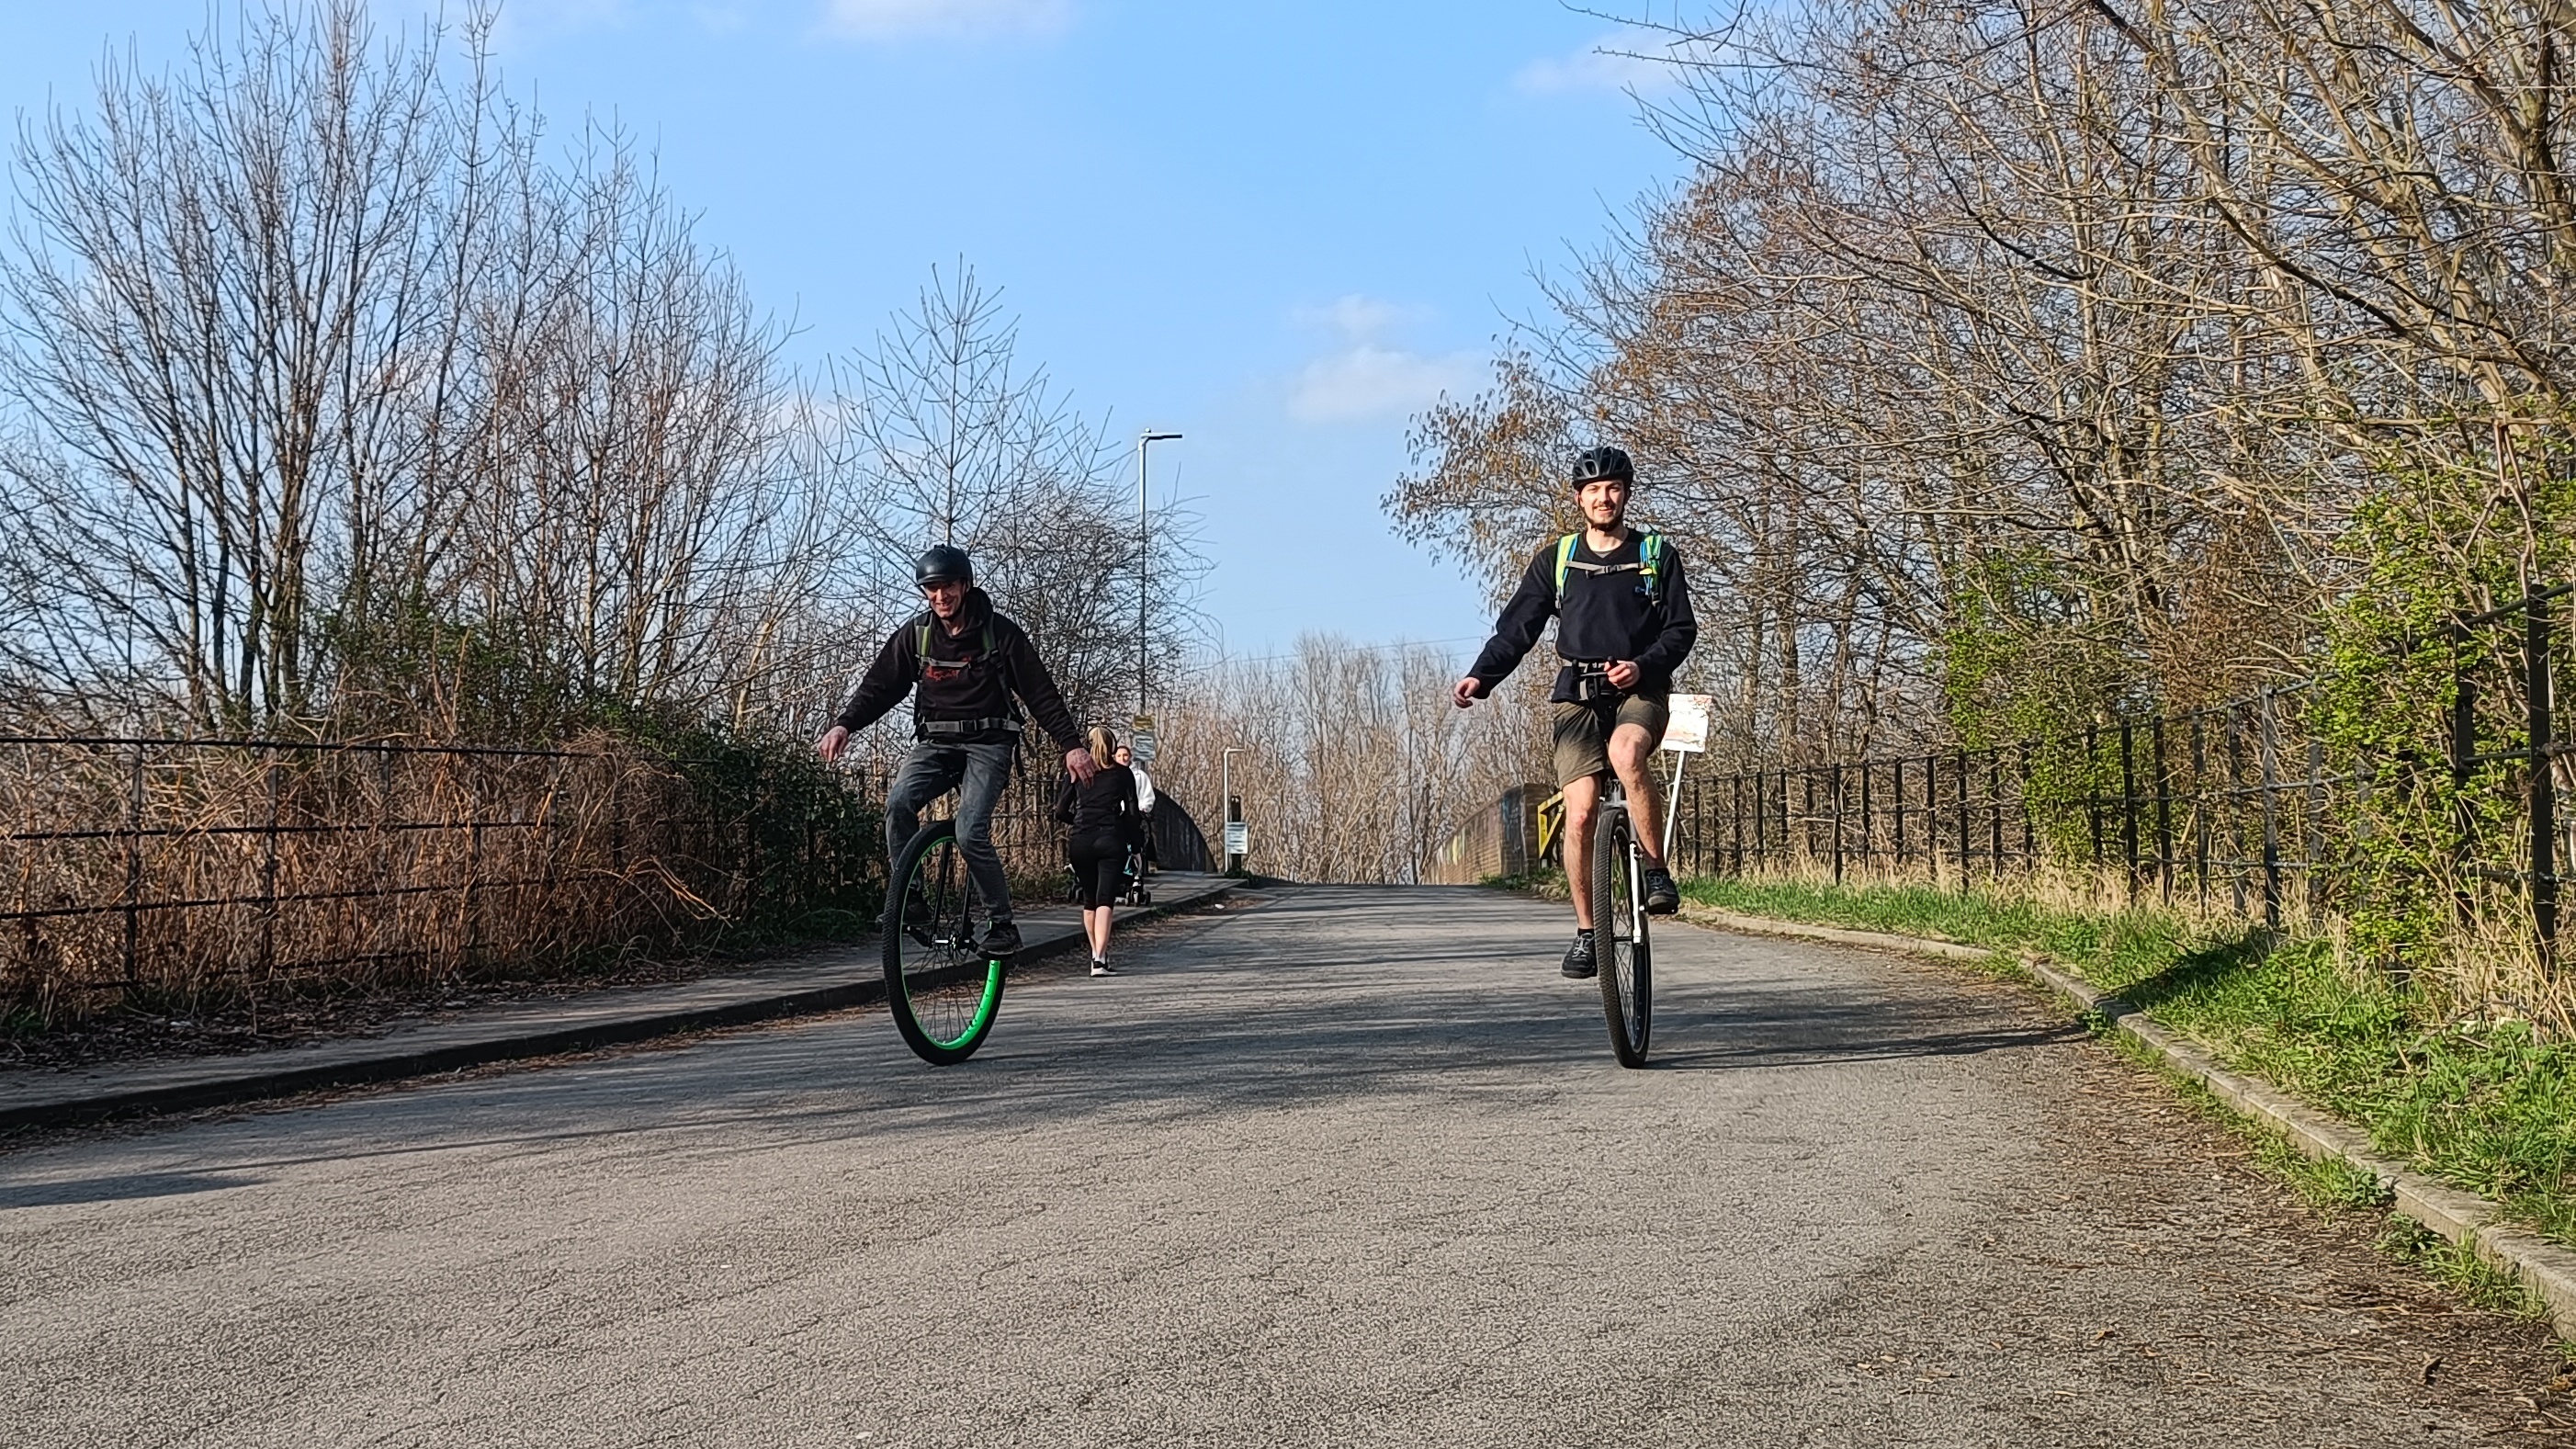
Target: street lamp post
[1225,801]
[1144,441]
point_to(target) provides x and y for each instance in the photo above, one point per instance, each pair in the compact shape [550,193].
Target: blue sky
[1277,226]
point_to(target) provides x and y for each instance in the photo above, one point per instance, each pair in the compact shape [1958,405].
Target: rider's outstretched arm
[887,681]
[1523,620]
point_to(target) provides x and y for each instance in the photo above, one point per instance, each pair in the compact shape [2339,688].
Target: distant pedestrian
[1144,801]
[1106,821]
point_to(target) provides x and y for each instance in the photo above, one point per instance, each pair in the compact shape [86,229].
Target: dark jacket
[964,681]
[1108,803]
[1601,617]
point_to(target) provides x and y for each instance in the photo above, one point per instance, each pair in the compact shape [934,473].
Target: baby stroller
[1132,877]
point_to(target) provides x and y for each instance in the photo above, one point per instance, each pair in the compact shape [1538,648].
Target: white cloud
[1357,317]
[1631,59]
[1367,377]
[1370,381]
[969,19]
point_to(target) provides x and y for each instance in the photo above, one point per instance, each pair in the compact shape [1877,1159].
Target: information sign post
[1140,739]
[1685,734]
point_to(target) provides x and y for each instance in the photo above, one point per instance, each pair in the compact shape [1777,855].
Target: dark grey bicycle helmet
[1594,464]
[943,563]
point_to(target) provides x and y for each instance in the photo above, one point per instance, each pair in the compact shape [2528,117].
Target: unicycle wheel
[1619,920]
[941,988]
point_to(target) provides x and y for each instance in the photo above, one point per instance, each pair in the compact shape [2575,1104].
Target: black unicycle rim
[1620,937]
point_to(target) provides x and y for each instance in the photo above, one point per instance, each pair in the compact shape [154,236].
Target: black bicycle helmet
[1594,464]
[943,563]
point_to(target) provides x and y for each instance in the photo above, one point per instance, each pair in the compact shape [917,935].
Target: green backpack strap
[921,640]
[1650,562]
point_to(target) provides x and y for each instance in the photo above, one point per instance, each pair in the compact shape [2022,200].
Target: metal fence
[2232,807]
[144,869]
[154,871]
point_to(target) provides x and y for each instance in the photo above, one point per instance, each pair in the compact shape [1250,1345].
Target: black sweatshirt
[1602,617]
[1107,803]
[963,682]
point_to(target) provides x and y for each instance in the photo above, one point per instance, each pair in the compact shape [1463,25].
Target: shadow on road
[126,1187]
[1406,997]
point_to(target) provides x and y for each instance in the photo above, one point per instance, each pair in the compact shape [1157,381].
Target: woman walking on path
[1106,821]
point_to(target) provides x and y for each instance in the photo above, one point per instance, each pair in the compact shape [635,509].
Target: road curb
[2544,1268]
[396,1063]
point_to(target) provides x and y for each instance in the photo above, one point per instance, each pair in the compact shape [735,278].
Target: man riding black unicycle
[1624,626]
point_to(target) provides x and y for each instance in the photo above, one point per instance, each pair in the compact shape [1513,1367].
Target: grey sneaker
[1001,939]
[1662,896]
[1578,957]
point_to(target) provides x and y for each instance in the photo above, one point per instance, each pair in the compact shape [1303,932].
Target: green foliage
[404,667]
[2482,1283]
[2026,662]
[2026,656]
[2327,1182]
[809,851]
[1547,883]
[2427,553]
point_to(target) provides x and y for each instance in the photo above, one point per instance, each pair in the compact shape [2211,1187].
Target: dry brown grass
[169,873]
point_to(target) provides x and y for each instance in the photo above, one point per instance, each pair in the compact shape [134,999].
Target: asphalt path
[1345,1167]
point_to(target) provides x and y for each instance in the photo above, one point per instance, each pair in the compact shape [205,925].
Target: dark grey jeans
[932,770]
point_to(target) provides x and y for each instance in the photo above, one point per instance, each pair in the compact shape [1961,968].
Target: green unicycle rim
[982,1020]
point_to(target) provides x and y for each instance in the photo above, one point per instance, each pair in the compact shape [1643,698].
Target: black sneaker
[1001,939]
[916,917]
[1662,896]
[1578,957]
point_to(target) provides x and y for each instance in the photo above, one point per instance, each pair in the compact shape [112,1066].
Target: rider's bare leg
[1582,802]
[1632,755]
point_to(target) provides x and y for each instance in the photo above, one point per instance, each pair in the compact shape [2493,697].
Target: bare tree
[949,439]
[330,404]
[1355,765]
[229,297]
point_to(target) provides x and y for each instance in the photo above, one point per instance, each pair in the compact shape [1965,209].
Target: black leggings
[1099,867]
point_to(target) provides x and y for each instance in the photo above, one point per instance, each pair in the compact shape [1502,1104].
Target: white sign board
[1686,731]
[1238,838]
[1140,739]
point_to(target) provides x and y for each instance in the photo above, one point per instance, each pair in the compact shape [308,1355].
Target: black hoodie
[965,679]
[1601,617]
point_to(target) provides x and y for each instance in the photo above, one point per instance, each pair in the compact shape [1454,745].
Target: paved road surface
[1347,1168]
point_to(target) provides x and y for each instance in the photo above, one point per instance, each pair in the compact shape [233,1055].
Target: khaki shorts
[1583,732]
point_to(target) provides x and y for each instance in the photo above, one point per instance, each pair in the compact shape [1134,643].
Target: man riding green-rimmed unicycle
[1624,626]
[948,929]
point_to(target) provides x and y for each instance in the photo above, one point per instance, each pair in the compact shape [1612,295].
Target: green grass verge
[2486,1106]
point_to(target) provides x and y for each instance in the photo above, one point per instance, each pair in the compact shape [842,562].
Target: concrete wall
[1499,840]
